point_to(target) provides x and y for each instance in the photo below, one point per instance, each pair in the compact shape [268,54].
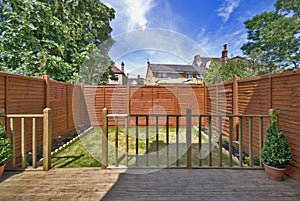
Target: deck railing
[47,130]
[211,123]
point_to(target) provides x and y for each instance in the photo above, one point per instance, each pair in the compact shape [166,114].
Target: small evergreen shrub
[276,151]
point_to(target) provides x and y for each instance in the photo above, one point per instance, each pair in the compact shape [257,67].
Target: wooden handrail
[47,137]
[214,124]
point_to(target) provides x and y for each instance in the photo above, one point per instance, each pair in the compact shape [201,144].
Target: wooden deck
[168,184]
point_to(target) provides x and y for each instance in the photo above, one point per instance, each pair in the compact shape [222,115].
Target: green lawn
[86,152]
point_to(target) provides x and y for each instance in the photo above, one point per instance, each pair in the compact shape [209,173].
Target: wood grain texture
[181,184]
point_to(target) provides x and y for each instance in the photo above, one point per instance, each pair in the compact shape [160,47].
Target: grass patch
[75,156]
[87,151]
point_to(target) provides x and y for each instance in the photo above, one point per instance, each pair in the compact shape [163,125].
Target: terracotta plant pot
[273,173]
[2,170]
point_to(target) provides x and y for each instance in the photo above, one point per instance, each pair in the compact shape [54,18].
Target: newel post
[47,138]
[104,139]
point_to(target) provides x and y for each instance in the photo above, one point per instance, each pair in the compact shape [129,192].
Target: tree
[276,35]
[236,67]
[52,37]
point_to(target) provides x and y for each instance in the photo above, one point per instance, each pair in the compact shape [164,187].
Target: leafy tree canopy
[236,67]
[52,37]
[276,35]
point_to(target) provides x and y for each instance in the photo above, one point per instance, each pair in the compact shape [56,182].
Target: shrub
[5,147]
[276,151]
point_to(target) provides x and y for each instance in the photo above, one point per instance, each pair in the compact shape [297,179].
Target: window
[162,75]
[174,76]
[189,76]
[115,77]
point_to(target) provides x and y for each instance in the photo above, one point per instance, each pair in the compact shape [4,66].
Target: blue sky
[173,31]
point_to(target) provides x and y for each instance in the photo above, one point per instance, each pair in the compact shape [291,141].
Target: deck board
[167,184]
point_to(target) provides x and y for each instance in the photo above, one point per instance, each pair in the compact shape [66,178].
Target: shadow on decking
[166,184]
[183,184]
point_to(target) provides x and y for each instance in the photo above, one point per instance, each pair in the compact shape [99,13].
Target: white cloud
[131,14]
[227,8]
[136,11]
[213,43]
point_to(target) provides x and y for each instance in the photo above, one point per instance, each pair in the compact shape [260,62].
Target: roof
[116,70]
[179,68]
[135,80]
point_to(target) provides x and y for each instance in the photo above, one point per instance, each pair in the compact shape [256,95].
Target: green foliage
[276,35]
[240,67]
[255,160]
[276,151]
[140,82]
[5,147]
[52,37]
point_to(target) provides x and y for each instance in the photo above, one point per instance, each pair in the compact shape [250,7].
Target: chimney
[122,66]
[224,52]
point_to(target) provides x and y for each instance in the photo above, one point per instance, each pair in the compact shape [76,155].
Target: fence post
[47,91]
[189,138]
[104,139]
[205,103]
[270,92]
[128,98]
[235,107]
[47,138]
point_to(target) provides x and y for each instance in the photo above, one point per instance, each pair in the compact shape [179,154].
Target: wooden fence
[247,96]
[28,95]
[24,95]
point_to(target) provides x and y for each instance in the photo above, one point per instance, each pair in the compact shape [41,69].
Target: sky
[174,31]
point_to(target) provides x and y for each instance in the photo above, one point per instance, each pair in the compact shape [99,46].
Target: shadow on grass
[64,161]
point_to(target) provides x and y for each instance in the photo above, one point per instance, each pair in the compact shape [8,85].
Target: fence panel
[28,95]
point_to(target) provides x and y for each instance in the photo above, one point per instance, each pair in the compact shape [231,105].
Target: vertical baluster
[137,141]
[157,138]
[23,143]
[13,139]
[116,142]
[230,140]
[261,139]
[220,142]
[104,139]
[34,144]
[147,140]
[167,139]
[200,140]
[177,140]
[126,128]
[210,140]
[241,142]
[250,141]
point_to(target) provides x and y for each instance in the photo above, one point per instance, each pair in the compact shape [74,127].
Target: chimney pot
[224,52]
[123,66]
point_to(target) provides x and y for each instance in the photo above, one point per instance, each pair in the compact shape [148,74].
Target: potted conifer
[5,149]
[276,152]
